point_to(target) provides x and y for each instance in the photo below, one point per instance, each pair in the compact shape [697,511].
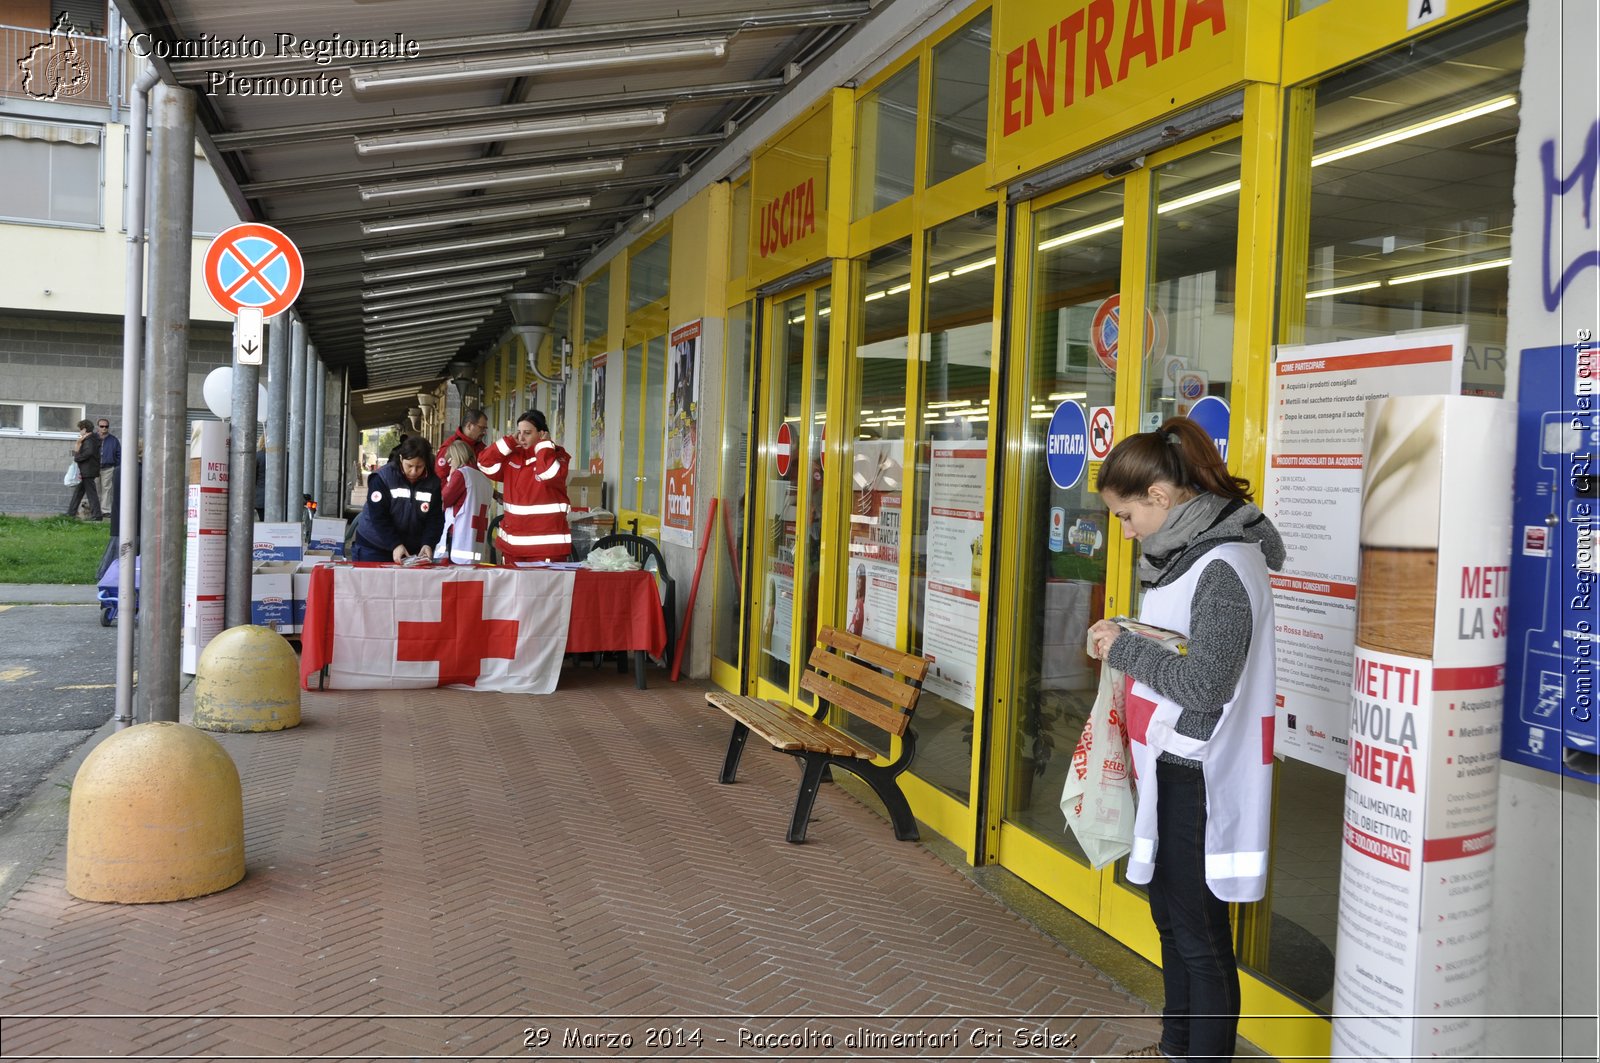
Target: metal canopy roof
[471,148]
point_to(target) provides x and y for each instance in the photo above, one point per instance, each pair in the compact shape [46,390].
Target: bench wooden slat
[884,687]
[787,729]
[907,664]
[879,715]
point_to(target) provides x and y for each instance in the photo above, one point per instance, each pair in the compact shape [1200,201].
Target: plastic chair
[648,554]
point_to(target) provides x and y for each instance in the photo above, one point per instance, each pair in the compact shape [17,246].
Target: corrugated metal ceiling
[327,168]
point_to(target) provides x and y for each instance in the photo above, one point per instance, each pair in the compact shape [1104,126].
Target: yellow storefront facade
[1123,204]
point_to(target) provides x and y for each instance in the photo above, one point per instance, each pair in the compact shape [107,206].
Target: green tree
[387,442]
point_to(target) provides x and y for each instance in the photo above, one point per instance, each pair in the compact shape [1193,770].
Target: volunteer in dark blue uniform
[404,514]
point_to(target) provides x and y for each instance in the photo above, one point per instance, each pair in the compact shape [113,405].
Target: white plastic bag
[611,559]
[1098,798]
[72,477]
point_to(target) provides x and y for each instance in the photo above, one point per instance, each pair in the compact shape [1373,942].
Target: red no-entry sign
[254,266]
[784,457]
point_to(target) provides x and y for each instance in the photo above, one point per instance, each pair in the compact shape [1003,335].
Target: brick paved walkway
[449,874]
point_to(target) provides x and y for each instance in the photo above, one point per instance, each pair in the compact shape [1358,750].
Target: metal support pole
[163,500]
[127,529]
[345,457]
[294,441]
[309,438]
[241,493]
[319,435]
[279,341]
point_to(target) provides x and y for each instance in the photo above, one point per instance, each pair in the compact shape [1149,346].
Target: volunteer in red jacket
[474,423]
[532,472]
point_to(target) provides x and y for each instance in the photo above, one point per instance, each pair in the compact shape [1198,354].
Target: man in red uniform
[473,424]
[532,472]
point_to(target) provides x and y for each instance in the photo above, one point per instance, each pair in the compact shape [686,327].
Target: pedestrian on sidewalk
[110,459]
[86,453]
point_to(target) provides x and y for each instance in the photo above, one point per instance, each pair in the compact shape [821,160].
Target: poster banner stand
[1421,785]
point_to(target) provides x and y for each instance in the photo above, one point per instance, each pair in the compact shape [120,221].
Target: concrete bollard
[157,814]
[248,679]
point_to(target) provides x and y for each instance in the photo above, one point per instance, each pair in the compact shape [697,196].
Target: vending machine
[1552,719]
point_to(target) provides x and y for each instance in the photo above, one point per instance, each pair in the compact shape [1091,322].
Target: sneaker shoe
[1147,1052]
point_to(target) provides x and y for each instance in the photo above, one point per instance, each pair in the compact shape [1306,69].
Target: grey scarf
[1186,523]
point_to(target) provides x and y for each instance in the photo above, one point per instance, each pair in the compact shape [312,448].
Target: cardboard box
[302,591]
[278,542]
[272,595]
[584,491]
[327,533]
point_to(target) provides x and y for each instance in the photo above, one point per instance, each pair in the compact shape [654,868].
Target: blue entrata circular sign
[1212,414]
[1066,448]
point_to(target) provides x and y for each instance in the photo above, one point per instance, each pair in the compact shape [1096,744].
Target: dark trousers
[1200,1019]
[361,550]
[86,487]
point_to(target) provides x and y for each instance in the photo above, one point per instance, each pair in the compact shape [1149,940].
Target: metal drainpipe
[296,437]
[279,344]
[163,500]
[132,354]
[241,493]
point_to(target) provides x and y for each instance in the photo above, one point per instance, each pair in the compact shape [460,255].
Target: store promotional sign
[789,199]
[1425,704]
[683,414]
[205,559]
[1315,416]
[1071,74]
[597,416]
[950,616]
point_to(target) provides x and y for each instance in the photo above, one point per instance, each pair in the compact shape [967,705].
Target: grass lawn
[51,549]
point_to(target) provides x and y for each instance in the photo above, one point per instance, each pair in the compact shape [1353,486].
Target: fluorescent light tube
[493,179]
[412,222]
[399,290]
[441,297]
[1323,293]
[480,243]
[518,129]
[396,273]
[540,61]
[1452,271]
[430,312]
[1499,103]
[1081,234]
[442,323]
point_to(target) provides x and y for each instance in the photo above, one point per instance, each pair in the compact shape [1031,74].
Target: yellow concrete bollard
[157,814]
[248,679]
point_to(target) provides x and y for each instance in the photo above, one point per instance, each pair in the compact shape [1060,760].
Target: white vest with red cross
[466,527]
[1236,759]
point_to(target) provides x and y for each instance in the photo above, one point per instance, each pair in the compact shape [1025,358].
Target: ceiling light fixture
[541,61]
[412,222]
[401,290]
[431,313]
[481,243]
[441,297]
[486,132]
[493,179]
[442,323]
[1433,274]
[395,273]
[1477,110]
[1324,293]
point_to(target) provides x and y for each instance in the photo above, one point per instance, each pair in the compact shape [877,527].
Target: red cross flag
[484,628]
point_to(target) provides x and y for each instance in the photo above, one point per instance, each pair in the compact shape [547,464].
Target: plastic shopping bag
[1098,798]
[72,477]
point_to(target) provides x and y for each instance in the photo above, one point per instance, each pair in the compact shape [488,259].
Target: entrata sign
[783,458]
[256,267]
[1067,446]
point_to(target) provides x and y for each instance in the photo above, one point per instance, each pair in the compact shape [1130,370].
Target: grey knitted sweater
[1202,681]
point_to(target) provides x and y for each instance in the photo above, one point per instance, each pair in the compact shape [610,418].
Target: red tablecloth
[610,611]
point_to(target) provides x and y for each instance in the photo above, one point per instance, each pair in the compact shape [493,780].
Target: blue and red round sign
[1066,447]
[1212,414]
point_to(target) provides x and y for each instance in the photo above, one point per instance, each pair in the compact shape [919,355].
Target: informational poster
[558,408]
[1316,413]
[1411,973]
[874,597]
[778,593]
[597,415]
[683,411]
[950,617]
[205,562]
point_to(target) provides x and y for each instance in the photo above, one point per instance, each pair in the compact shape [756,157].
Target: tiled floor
[446,873]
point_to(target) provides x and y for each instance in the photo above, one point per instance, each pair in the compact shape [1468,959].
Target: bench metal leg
[730,763]
[894,801]
[810,781]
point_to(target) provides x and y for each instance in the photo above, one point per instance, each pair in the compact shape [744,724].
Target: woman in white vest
[466,496]
[1200,723]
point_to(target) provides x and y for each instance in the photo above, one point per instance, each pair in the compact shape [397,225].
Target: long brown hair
[1179,452]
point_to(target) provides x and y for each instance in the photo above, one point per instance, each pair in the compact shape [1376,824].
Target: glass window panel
[586,415]
[960,131]
[647,273]
[11,416]
[26,191]
[655,424]
[59,418]
[212,210]
[633,390]
[596,306]
[821,315]
[886,139]
[1059,534]
[948,568]
[1412,165]
[75,183]
[728,537]
[785,399]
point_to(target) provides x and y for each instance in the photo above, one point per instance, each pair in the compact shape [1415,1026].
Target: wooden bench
[838,673]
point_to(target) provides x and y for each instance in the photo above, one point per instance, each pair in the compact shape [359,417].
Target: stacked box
[278,542]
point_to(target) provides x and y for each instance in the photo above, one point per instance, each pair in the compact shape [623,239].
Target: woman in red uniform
[532,472]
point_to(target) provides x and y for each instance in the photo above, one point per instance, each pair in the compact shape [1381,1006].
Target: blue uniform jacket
[398,511]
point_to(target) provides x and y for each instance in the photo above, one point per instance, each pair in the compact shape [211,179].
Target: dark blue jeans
[1200,1019]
